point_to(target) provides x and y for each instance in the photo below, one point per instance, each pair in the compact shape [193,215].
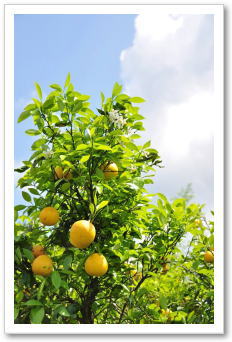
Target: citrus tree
[91,244]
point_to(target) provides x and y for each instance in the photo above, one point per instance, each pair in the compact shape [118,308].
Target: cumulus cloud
[170,64]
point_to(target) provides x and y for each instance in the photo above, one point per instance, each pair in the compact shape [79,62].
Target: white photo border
[218,326]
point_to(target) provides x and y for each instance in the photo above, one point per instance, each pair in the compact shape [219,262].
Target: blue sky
[47,47]
[166,59]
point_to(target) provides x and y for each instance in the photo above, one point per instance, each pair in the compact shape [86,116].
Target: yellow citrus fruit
[133,272]
[208,257]
[49,216]
[166,312]
[96,265]
[110,170]
[198,223]
[68,174]
[82,234]
[165,268]
[42,265]
[58,172]
[37,250]
[135,275]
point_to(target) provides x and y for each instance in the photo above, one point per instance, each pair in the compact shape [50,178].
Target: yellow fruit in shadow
[96,265]
[49,216]
[37,250]
[82,234]
[42,265]
[110,170]
[209,257]
[68,174]
[137,276]
[166,312]
[165,268]
[58,172]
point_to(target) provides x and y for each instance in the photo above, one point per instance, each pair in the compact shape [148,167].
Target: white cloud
[170,64]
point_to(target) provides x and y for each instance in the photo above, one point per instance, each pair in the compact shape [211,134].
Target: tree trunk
[88,300]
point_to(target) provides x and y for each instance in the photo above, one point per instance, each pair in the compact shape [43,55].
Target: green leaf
[136,99]
[41,287]
[26,196]
[102,205]
[65,187]
[49,103]
[37,102]
[56,86]
[21,169]
[147,144]
[16,312]
[83,97]
[163,302]
[32,132]
[23,116]
[100,174]
[92,208]
[30,106]
[116,89]
[18,253]
[82,147]
[56,280]
[20,207]
[28,254]
[33,302]
[19,297]
[84,158]
[67,262]
[33,191]
[37,315]
[63,311]
[38,143]
[102,98]
[102,147]
[67,81]
[38,89]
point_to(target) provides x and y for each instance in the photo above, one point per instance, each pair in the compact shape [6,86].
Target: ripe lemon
[110,170]
[165,268]
[209,257]
[68,174]
[42,265]
[96,265]
[49,216]
[82,233]
[37,250]
[58,172]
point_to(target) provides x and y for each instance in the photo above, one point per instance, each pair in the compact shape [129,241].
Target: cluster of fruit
[82,233]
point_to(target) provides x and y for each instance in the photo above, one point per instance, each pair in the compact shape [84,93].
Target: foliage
[137,232]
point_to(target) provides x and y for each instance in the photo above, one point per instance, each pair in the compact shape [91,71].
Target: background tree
[88,167]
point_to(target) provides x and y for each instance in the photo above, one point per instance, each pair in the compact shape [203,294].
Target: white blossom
[132,168]
[48,154]
[129,132]
[120,122]
[114,115]
[117,119]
